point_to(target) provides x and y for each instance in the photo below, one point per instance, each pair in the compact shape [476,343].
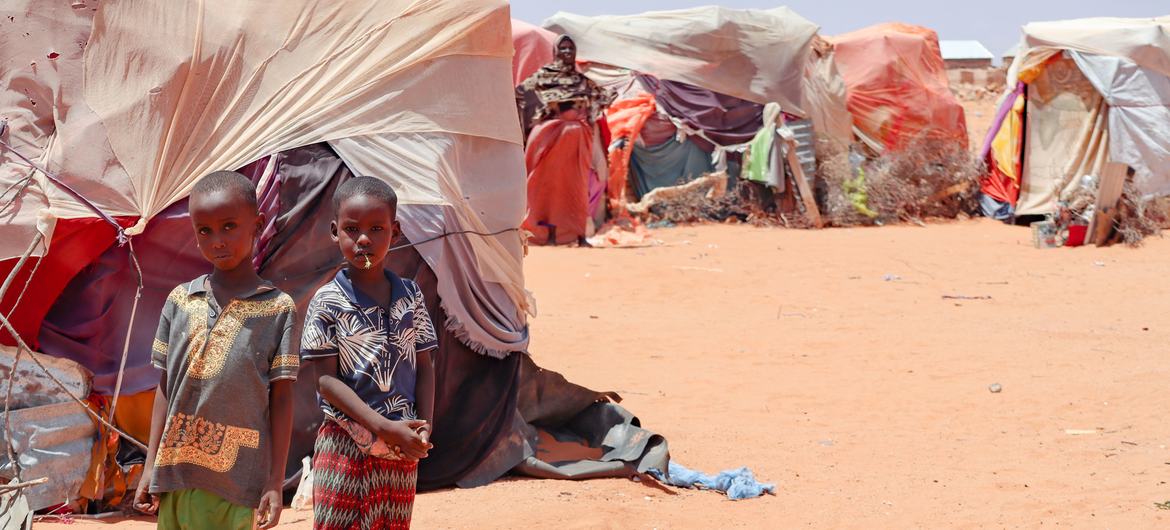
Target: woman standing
[564,154]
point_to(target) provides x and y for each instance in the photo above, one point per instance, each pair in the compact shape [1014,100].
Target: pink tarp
[534,48]
[898,88]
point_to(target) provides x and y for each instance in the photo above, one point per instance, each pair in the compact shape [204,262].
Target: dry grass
[1139,218]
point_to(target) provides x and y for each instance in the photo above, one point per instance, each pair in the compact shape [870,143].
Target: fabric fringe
[461,334]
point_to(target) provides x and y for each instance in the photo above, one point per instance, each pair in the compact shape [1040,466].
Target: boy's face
[225,228]
[364,229]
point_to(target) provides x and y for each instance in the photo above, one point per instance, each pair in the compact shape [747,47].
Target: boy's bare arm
[280,425]
[424,392]
[343,397]
[280,403]
[143,500]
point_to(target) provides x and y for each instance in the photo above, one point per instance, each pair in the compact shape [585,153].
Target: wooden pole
[806,194]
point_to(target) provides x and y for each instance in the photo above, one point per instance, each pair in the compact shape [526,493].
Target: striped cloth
[352,490]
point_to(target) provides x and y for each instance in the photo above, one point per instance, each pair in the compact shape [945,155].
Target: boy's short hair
[229,181]
[367,186]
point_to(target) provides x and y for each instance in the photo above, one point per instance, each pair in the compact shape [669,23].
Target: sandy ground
[834,364]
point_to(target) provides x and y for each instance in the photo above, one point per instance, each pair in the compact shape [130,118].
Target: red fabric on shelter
[626,119]
[897,86]
[558,158]
[998,185]
[534,48]
[76,243]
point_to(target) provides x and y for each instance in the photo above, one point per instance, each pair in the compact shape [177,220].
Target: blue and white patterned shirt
[375,343]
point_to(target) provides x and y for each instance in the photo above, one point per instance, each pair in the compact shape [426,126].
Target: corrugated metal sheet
[964,49]
[32,388]
[52,435]
[54,441]
[806,146]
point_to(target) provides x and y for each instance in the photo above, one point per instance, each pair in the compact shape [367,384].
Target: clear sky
[996,23]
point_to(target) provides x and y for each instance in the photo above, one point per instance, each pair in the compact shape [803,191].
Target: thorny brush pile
[931,181]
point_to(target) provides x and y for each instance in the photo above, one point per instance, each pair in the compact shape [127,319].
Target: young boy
[369,338]
[223,409]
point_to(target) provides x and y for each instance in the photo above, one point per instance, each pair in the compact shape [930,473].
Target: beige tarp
[825,96]
[1144,41]
[1067,136]
[752,54]
[176,90]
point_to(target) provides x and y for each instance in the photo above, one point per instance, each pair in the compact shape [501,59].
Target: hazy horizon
[995,23]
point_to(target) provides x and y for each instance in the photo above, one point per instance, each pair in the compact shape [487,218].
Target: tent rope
[448,234]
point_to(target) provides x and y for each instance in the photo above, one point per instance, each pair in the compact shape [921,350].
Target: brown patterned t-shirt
[219,364]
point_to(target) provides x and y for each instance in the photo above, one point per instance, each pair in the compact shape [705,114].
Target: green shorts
[199,509]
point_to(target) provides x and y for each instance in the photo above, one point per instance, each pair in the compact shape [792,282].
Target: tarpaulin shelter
[125,104]
[897,84]
[1081,93]
[711,71]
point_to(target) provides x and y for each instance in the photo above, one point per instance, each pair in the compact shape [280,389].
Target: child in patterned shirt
[222,415]
[368,335]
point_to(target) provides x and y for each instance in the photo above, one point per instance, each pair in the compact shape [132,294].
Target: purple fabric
[1000,115]
[270,207]
[724,119]
[596,191]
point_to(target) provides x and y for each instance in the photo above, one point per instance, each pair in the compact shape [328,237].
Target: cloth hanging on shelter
[726,120]
[626,119]
[1004,163]
[761,160]
[558,157]
[1068,136]
[668,164]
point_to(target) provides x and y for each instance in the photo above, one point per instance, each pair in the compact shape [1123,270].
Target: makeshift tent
[312,93]
[710,71]
[1081,93]
[897,84]
[761,56]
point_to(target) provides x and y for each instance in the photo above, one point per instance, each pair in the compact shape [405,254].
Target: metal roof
[964,49]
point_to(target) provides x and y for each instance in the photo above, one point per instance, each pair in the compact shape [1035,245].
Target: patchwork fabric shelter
[126,103]
[710,72]
[1081,93]
[898,90]
[757,55]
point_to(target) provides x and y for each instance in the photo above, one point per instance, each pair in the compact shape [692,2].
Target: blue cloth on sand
[738,484]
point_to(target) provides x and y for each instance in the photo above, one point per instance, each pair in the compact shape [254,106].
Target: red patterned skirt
[352,490]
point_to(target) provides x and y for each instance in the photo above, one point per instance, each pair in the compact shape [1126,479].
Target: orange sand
[865,400]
